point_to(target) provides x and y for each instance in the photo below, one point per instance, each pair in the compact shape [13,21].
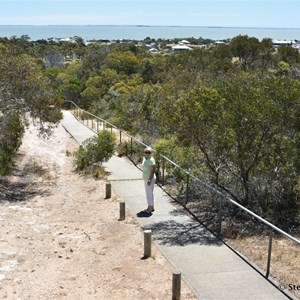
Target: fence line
[84,116]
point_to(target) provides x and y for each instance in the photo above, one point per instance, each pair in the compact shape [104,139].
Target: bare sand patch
[60,239]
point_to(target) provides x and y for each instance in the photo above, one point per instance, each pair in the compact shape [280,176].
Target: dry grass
[285,260]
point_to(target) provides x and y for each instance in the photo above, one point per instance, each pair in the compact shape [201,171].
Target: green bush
[11,134]
[97,149]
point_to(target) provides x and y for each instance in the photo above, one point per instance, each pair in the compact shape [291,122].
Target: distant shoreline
[140,32]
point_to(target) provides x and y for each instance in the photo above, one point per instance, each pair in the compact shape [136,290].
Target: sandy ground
[59,238]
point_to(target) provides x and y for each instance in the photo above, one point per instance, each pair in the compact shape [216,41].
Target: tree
[97,86]
[247,129]
[246,49]
[24,88]
[53,58]
[289,54]
[124,63]
[222,58]
[71,89]
[266,53]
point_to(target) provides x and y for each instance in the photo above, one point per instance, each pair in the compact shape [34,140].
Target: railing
[215,200]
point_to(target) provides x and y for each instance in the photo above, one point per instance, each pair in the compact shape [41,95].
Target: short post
[122,211]
[108,190]
[147,243]
[176,286]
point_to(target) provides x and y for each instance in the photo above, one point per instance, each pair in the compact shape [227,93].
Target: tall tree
[246,49]
[24,88]
[247,129]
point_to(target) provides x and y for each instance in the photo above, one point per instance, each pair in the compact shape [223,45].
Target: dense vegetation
[230,113]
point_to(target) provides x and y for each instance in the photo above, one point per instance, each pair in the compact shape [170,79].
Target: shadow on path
[176,233]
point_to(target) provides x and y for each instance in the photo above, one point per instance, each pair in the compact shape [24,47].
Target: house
[153,51]
[179,48]
[278,43]
[184,42]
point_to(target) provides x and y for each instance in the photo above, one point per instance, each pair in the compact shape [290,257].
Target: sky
[235,13]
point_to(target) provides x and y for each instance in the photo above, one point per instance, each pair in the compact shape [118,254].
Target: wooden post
[176,286]
[108,190]
[122,211]
[147,243]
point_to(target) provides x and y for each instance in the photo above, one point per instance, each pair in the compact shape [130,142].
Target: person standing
[149,169]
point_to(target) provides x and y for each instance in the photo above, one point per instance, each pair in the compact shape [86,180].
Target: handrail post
[269,253]
[163,170]
[131,146]
[120,137]
[220,212]
[187,189]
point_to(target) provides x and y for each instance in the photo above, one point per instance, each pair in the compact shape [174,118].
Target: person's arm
[152,172]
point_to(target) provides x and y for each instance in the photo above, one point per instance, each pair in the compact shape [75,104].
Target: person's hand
[149,182]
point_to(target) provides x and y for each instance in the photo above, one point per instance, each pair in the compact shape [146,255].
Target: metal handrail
[211,188]
[235,203]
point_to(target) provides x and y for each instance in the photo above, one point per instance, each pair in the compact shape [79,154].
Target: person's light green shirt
[147,163]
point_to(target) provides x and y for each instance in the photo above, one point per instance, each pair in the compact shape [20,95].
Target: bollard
[108,190]
[176,286]
[147,243]
[122,211]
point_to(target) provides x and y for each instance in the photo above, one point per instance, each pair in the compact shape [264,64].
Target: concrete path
[208,266]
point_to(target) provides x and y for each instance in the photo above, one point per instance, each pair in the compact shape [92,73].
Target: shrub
[97,149]
[11,134]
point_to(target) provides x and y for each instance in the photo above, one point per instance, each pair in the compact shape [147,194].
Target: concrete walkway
[208,266]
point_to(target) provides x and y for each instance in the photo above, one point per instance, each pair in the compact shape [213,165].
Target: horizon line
[141,25]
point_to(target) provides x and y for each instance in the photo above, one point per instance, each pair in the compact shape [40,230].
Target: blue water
[141,32]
